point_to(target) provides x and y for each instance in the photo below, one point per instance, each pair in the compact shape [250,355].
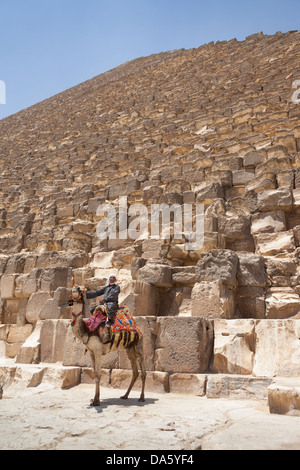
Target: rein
[80,300]
[74,315]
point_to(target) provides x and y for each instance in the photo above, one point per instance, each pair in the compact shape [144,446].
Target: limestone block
[234,346]
[285,178]
[146,299]
[183,345]
[4,331]
[234,228]
[52,340]
[253,158]
[7,286]
[155,248]
[277,199]
[218,265]
[152,193]
[50,310]
[194,384]
[65,211]
[237,386]
[19,333]
[208,194]
[184,275]
[155,382]
[53,278]
[124,256]
[251,270]
[35,305]
[268,222]
[270,244]
[242,177]
[212,299]
[282,302]
[250,306]
[284,397]
[30,349]
[266,181]
[28,284]
[281,266]
[277,348]
[159,275]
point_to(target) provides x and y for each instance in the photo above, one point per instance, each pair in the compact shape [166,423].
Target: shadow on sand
[106,402]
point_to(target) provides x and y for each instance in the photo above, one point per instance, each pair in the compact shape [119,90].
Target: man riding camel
[111,293]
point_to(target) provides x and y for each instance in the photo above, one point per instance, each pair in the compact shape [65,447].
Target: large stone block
[275,199]
[265,222]
[218,265]
[212,299]
[52,339]
[7,286]
[53,278]
[183,344]
[277,348]
[251,271]
[35,305]
[234,346]
[270,244]
[284,397]
[282,302]
[234,228]
[159,275]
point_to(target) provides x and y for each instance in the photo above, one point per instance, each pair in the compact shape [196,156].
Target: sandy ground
[40,419]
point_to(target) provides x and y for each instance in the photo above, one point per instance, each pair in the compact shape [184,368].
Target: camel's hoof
[95,403]
[142,399]
[124,397]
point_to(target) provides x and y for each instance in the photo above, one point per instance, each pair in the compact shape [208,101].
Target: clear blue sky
[48,46]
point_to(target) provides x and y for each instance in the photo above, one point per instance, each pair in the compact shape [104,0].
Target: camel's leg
[140,356]
[131,353]
[96,362]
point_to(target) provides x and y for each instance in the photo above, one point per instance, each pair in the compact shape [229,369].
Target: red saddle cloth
[121,321]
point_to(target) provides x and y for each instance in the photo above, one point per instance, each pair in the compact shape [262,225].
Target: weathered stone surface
[218,265]
[284,397]
[251,271]
[279,199]
[212,299]
[234,346]
[159,275]
[183,345]
[35,305]
[277,348]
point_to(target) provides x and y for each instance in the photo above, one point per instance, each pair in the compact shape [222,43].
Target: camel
[97,347]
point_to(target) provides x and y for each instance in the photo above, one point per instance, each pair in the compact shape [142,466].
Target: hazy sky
[47,46]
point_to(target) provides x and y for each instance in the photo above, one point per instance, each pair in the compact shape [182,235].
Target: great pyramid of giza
[217,126]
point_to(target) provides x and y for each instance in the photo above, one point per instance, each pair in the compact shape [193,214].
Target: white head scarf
[107,281]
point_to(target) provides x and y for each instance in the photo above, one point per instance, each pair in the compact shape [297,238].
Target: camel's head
[77,295]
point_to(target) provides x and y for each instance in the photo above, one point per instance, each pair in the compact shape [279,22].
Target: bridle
[79,300]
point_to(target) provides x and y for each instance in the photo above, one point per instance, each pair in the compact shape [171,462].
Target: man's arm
[95,293]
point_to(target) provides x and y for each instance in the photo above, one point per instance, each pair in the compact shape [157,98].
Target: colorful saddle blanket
[121,321]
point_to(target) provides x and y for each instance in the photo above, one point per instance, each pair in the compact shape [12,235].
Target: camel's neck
[77,324]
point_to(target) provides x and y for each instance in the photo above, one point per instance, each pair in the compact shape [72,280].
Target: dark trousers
[111,309]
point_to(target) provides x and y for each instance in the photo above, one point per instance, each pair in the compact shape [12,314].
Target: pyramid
[216,127]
